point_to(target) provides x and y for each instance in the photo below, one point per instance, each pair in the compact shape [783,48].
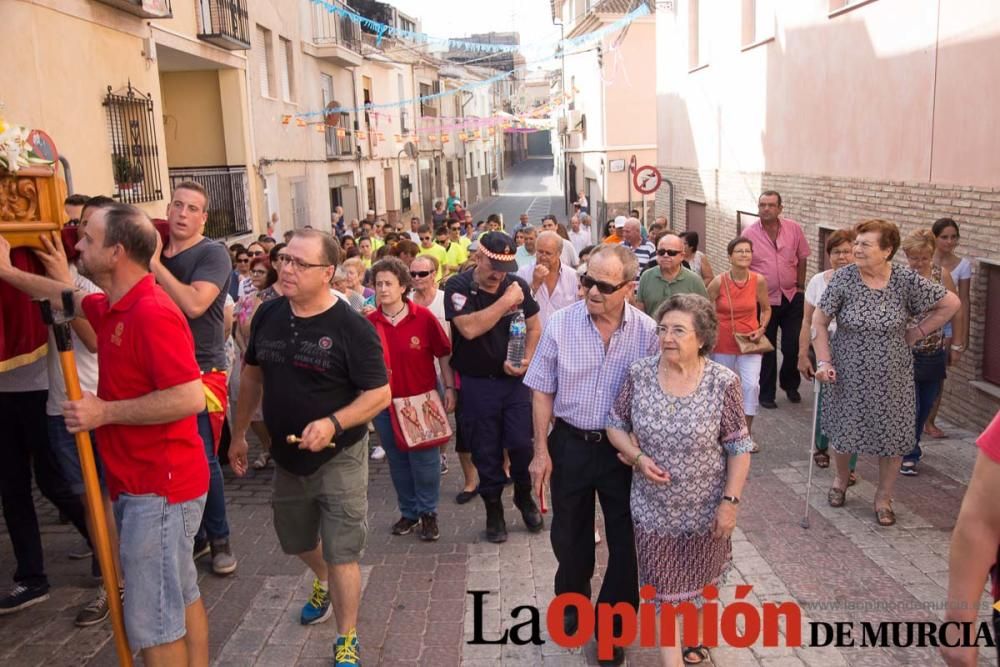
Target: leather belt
[586,436]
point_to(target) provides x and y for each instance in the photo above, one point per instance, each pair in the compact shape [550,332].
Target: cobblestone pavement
[415,609]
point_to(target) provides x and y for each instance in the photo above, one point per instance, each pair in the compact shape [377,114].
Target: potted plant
[127,175]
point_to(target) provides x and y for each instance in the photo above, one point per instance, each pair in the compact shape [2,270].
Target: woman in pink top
[737,294]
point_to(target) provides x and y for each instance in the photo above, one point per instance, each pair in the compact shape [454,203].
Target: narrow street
[530,187]
[416,610]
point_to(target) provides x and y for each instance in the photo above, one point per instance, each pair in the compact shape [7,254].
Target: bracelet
[958,348]
[820,364]
[635,461]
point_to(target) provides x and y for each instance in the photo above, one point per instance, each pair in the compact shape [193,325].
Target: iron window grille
[229,197]
[135,155]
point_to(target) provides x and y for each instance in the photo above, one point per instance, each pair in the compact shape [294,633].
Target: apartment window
[697,36]
[403,111]
[300,204]
[758,21]
[346,147]
[265,61]
[135,161]
[287,71]
[991,330]
[405,24]
[330,137]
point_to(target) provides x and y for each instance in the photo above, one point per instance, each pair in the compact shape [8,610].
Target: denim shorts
[161,581]
[63,445]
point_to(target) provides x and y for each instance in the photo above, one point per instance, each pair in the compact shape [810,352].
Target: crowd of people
[621,369]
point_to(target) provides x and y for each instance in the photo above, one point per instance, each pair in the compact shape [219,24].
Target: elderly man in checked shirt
[576,372]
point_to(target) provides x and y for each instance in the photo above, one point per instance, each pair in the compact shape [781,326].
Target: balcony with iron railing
[335,37]
[229,198]
[224,23]
[147,9]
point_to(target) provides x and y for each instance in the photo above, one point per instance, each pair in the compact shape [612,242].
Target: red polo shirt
[412,346]
[144,345]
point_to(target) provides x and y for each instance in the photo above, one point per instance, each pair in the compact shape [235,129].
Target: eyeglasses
[669,253]
[675,332]
[602,287]
[258,273]
[298,264]
[420,274]
[242,260]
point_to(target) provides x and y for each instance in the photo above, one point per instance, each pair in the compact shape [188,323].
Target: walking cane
[95,504]
[812,446]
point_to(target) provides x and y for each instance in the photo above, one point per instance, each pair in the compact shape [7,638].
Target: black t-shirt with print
[312,367]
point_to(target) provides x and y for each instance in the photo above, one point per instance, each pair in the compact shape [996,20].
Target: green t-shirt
[654,289]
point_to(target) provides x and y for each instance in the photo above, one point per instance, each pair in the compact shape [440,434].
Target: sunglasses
[602,287]
[669,253]
[242,260]
[420,274]
[425,238]
[256,253]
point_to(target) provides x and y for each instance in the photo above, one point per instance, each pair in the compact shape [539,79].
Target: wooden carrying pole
[95,502]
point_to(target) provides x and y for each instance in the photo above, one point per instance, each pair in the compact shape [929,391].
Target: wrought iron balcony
[224,23]
[147,9]
[335,37]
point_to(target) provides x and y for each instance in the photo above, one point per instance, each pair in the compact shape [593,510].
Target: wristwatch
[732,499]
[338,430]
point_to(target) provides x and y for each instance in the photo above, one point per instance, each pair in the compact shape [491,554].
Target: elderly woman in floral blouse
[679,422]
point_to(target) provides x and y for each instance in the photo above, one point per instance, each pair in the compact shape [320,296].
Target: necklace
[736,284]
[392,318]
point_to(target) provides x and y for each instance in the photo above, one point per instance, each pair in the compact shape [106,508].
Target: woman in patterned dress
[871,407]
[679,422]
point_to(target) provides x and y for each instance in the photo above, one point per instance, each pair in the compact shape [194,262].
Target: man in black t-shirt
[195,272]
[494,406]
[318,366]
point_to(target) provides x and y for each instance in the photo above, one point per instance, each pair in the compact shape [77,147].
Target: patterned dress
[871,408]
[691,437]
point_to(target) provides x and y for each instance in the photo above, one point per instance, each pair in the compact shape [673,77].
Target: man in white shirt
[554,284]
[569,256]
[578,235]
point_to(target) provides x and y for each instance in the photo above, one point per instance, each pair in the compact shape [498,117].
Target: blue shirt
[571,362]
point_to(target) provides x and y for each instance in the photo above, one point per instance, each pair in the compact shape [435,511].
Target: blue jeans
[213,524]
[927,393]
[156,539]
[415,475]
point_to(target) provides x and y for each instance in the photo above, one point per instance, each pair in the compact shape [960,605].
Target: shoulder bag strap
[732,317]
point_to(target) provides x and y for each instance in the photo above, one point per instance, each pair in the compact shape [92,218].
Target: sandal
[821,458]
[836,497]
[694,655]
[885,516]
[852,479]
[934,432]
[755,448]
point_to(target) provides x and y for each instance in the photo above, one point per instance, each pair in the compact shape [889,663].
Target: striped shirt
[644,252]
[571,362]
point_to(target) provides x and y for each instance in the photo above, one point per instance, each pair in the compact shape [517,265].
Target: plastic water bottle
[515,343]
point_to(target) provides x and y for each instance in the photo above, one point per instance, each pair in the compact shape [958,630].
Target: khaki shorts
[329,505]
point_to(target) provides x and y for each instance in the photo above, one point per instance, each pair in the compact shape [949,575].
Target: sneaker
[80,551]
[318,608]
[223,561]
[429,528]
[403,526]
[201,548]
[378,453]
[347,650]
[22,597]
[444,464]
[95,612]
[909,468]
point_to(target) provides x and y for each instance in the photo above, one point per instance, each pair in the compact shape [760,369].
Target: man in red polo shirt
[148,395]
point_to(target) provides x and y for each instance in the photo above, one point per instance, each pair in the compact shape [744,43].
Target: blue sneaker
[318,608]
[347,650]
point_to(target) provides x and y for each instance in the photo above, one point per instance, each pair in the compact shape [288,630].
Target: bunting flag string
[383,30]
